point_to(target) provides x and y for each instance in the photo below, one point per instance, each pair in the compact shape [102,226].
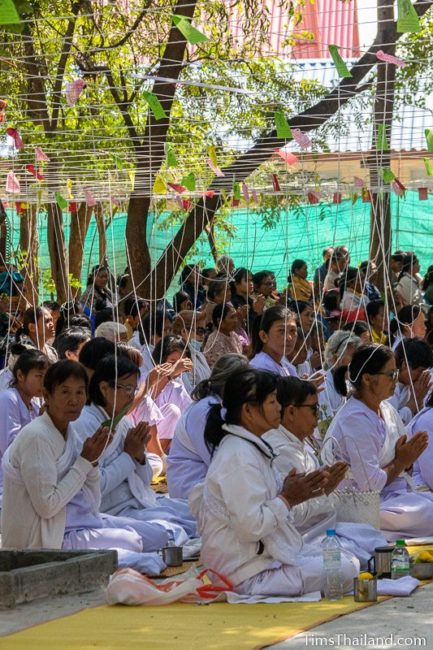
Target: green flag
[190,33]
[341,67]
[407,20]
[382,142]
[428,166]
[283,129]
[8,13]
[236,191]
[155,105]
[170,155]
[429,139]
[189,182]
[387,175]
[118,161]
[61,201]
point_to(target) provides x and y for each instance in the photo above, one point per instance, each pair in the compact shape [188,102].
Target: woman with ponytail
[367,432]
[189,457]
[244,510]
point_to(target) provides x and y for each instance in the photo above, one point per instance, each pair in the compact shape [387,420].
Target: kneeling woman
[370,436]
[300,410]
[51,489]
[124,464]
[244,511]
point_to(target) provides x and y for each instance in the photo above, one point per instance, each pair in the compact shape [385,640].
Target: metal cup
[365,591]
[380,563]
[172,555]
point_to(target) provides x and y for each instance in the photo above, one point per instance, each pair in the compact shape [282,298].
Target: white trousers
[304,578]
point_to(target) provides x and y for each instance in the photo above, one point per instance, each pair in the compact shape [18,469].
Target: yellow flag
[69,188]
[159,187]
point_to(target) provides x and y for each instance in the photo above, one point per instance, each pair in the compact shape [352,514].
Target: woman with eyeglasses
[126,463]
[244,510]
[367,432]
[294,442]
[52,494]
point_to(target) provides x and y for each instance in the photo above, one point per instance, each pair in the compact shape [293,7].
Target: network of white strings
[112,186]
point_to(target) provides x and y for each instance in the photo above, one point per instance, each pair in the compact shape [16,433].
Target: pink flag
[254,195]
[301,138]
[398,187]
[41,156]
[187,204]
[216,170]
[74,90]
[31,169]
[358,182]
[13,133]
[12,183]
[288,157]
[245,192]
[389,58]
[90,199]
[177,188]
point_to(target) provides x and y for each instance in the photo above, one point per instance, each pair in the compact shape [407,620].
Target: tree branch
[128,34]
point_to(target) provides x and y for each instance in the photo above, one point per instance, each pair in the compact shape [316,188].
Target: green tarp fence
[294,235]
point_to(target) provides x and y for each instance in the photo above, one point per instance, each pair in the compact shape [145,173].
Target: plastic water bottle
[333,575]
[400,560]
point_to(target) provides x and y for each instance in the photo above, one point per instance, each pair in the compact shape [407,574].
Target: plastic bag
[129,587]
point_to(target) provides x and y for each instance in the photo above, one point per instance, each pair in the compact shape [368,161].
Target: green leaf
[155,105]
[61,201]
[282,126]
[429,139]
[382,142]
[387,175]
[170,155]
[237,191]
[428,166]
[407,20]
[118,161]
[8,13]
[341,67]
[189,182]
[190,33]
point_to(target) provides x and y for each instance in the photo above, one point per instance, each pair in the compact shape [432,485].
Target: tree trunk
[29,245]
[380,219]
[57,249]
[80,222]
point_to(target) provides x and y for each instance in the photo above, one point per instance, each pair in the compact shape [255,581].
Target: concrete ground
[396,623]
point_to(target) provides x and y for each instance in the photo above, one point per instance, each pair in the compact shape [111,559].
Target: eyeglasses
[392,374]
[129,390]
[315,408]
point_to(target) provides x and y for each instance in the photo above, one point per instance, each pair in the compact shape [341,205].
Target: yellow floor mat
[218,626]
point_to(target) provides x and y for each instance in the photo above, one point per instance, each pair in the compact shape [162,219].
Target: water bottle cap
[331,532]
[400,542]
